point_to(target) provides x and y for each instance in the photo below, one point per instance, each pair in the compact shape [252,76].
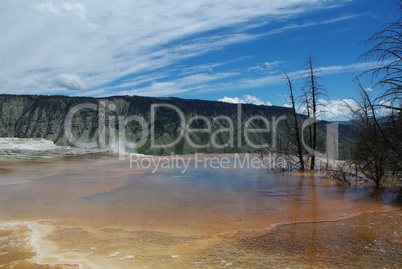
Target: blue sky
[233,51]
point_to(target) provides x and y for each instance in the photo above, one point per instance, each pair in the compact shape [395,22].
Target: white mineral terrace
[26,143]
[33,148]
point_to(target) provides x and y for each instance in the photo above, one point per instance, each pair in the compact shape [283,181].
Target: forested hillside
[31,116]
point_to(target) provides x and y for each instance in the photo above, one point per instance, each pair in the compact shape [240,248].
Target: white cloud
[104,40]
[341,109]
[267,66]
[70,82]
[234,100]
[331,110]
[337,109]
[348,68]
[185,84]
[255,100]
[247,99]
[75,8]
[297,26]
[47,7]
[278,78]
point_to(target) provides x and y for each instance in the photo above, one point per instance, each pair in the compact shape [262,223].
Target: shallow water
[97,210]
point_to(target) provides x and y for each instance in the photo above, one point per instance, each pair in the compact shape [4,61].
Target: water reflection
[109,191]
[99,192]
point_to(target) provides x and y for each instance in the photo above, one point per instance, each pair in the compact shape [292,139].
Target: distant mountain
[345,122]
[226,128]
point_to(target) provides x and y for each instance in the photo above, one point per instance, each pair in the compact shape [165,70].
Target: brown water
[97,212]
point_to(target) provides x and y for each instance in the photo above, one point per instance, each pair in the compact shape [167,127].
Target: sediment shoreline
[230,247]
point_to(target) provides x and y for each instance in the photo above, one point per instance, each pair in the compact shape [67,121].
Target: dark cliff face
[101,121]
[37,116]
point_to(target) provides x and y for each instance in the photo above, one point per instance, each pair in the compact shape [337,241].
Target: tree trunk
[314,107]
[296,125]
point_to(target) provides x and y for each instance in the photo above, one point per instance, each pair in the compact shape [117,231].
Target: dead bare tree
[284,159]
[306,104]
[295,124]
[386,48]
[343,173]
[313,90]
[373,156]
[383,132]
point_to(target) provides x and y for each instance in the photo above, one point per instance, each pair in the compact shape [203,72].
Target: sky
[233,51]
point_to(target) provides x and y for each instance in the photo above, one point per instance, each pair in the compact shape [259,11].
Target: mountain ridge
[44,116]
